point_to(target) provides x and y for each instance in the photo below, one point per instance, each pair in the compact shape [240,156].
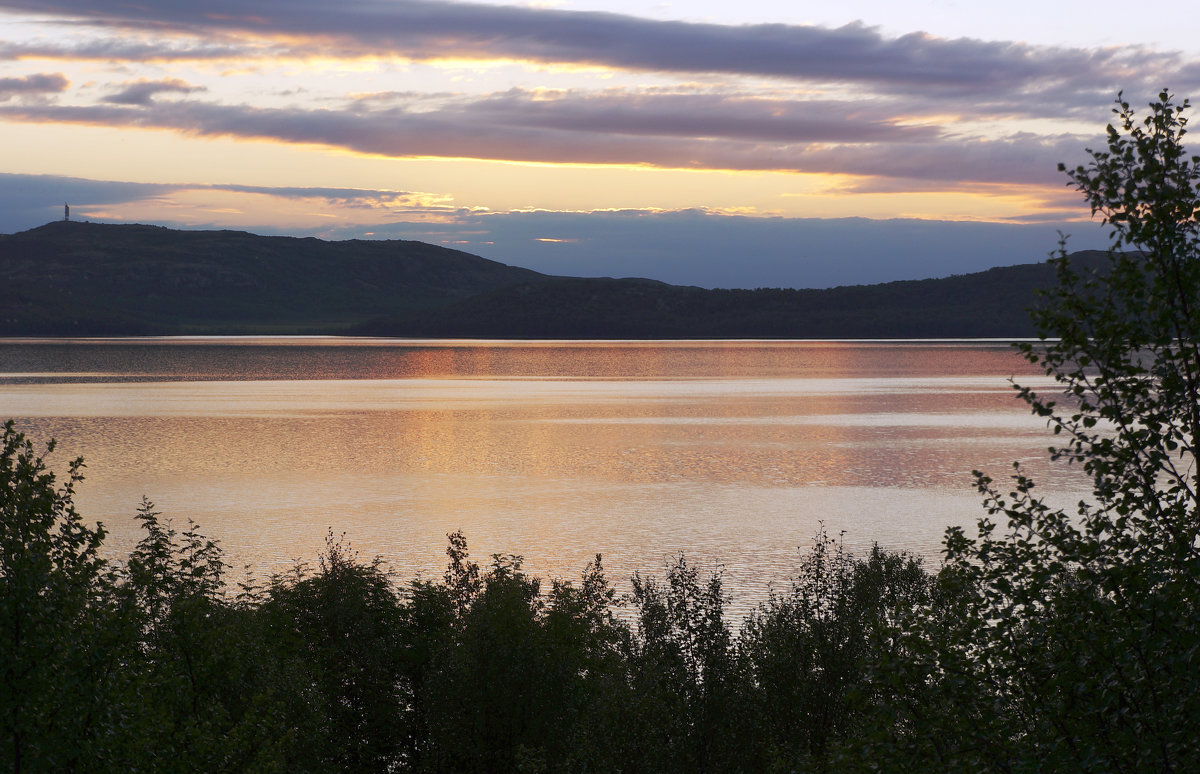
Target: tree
[682,672]
[51,613]
[1075,649]
[808,653]
[341,629]
[200,678]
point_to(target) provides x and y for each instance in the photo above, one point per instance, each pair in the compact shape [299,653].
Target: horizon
[942,275]
[758,146]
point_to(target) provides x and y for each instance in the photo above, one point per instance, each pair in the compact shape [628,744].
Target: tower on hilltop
[66,212]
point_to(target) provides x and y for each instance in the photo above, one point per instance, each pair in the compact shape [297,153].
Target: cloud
[143,92]
[33,85]
[917,108]
[123,49]
[412,203]
[31,200]
[852,54]
[27,201]
[724,116]
[688,133]
[920,109]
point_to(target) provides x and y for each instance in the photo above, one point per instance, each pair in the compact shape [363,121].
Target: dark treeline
[992,303]
[863,664]
[152,664]
[89,279]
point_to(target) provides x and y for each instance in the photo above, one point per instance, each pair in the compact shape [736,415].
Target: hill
[69,278]
[991,303]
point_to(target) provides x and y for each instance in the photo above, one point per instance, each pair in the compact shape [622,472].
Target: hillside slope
[96,279]
[88,278]
[992,303]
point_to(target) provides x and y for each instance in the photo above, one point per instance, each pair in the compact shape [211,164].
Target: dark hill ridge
[992,303]
[89,278]
[70,278]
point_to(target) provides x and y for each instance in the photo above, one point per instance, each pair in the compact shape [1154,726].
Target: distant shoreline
[95,281]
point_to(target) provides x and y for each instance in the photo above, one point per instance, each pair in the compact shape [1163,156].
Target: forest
[73,279]
[1046,640]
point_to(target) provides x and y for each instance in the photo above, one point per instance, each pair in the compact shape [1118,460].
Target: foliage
[75,278]
[812,655]
[986,304]
[72,279]
[198,670]
[510,678]
[342,669]
[682,672]
[52,645]
[1076,648]
[336,634]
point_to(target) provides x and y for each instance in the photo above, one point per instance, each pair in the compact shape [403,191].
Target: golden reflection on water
[732,451]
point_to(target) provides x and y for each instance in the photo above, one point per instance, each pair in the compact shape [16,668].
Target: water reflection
[733,452]
[319,357]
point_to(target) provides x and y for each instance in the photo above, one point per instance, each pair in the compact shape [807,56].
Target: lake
[734,452]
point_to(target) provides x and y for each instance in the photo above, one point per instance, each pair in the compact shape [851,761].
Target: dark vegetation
[152,665]
[992,303]
[83,279]
[1049,641]
[71,278]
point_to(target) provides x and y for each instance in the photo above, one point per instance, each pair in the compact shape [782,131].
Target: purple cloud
[126,50]
[667,132]
[855,53]
[31,200]
[690,115]
[143,92]
[33,85]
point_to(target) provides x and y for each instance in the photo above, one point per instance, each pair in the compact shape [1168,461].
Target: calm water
[733,452]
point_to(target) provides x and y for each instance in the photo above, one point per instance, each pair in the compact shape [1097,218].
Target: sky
[752,144]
